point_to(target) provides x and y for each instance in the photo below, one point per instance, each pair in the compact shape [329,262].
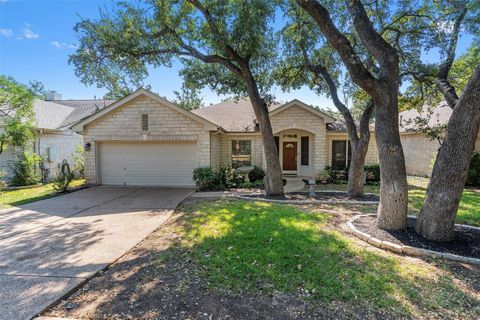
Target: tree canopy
[16,103]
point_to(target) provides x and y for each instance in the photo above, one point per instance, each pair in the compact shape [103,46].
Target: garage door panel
[153,164]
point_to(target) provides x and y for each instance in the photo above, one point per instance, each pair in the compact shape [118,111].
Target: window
[305,152]
[341,154]
[241,153]
[145,122]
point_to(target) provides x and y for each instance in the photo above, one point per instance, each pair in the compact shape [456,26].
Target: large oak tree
[227,45]
[309,60]
[382,85]
[437,217]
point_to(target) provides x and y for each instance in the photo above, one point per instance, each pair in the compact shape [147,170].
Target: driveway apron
[49,247]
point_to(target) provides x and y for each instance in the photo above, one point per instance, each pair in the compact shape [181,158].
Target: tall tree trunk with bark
[274,185]
[392,211]
[356,173]
[383,89]
[437,217]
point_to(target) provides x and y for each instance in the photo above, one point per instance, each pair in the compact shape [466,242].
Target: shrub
[79,161]
[207,179]
[229,177]
[473,178]
[3,183]
[62,181]
[25,171]
[372,172]
[256,174]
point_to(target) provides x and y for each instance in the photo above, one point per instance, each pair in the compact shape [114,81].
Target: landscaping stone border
[409,250]
[247,197]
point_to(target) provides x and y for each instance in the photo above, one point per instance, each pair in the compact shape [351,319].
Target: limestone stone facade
[124,124]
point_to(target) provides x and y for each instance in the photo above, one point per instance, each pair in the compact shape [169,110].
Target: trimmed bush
[207,179]
[473,178]
[229,177]
[25,171]
[256,174]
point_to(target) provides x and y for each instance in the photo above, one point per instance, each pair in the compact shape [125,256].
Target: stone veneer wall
[124,124]
[215,150]
[420,152]
[226,148]
[64,144]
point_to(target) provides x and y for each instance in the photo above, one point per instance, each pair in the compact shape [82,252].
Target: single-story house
[54,140]
[143,139]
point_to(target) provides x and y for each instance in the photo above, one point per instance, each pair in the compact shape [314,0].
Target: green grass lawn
[26,195]
[264,248]
[468,211]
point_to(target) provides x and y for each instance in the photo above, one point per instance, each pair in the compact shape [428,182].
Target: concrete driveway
[49,247]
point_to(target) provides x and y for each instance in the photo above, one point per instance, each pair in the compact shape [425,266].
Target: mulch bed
[465,243]
[320,195]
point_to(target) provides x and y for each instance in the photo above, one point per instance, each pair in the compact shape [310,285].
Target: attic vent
[145,122]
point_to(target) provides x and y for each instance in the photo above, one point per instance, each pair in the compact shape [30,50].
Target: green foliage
[473,178]
[256,174]
[463,67]
[79,160]
[115,50]
[229,177]
[62,181]
[37,89]
[16,101]
[207,179]
[25,169]
[188,98]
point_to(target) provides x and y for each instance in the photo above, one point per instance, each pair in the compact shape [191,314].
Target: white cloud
[28,33]
[62,45]
[5,32]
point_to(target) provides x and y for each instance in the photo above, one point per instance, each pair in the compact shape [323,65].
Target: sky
[37,36]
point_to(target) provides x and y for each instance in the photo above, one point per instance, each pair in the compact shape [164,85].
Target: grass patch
[262,247]
[22,196]
[468,211]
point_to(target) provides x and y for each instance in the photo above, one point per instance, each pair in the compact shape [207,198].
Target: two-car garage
[144,140]
[147,163]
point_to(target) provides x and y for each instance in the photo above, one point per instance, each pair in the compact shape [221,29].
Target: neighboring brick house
[54,140]
[144,139]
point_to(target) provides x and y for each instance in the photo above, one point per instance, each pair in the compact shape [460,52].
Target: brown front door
[290,156]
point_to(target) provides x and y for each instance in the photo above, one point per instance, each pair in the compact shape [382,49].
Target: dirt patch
[465,243]
[322,196]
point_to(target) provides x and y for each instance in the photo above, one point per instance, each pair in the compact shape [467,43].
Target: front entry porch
[296,149]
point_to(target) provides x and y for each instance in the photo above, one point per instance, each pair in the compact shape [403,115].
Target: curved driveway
[49,247]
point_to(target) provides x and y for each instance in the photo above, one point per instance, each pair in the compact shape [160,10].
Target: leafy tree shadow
[239,258]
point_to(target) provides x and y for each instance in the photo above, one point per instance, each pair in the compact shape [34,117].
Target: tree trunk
[356,174]
[392,211]
[437,218]
[273,173]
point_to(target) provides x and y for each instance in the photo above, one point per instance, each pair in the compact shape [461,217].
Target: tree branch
[378,47]
[347,115]
[441,80]
[342,45]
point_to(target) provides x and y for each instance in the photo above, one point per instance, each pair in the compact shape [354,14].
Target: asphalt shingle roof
[60,114]
[233,116]
[438,116]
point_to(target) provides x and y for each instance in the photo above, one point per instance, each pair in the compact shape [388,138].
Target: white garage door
[147,164]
